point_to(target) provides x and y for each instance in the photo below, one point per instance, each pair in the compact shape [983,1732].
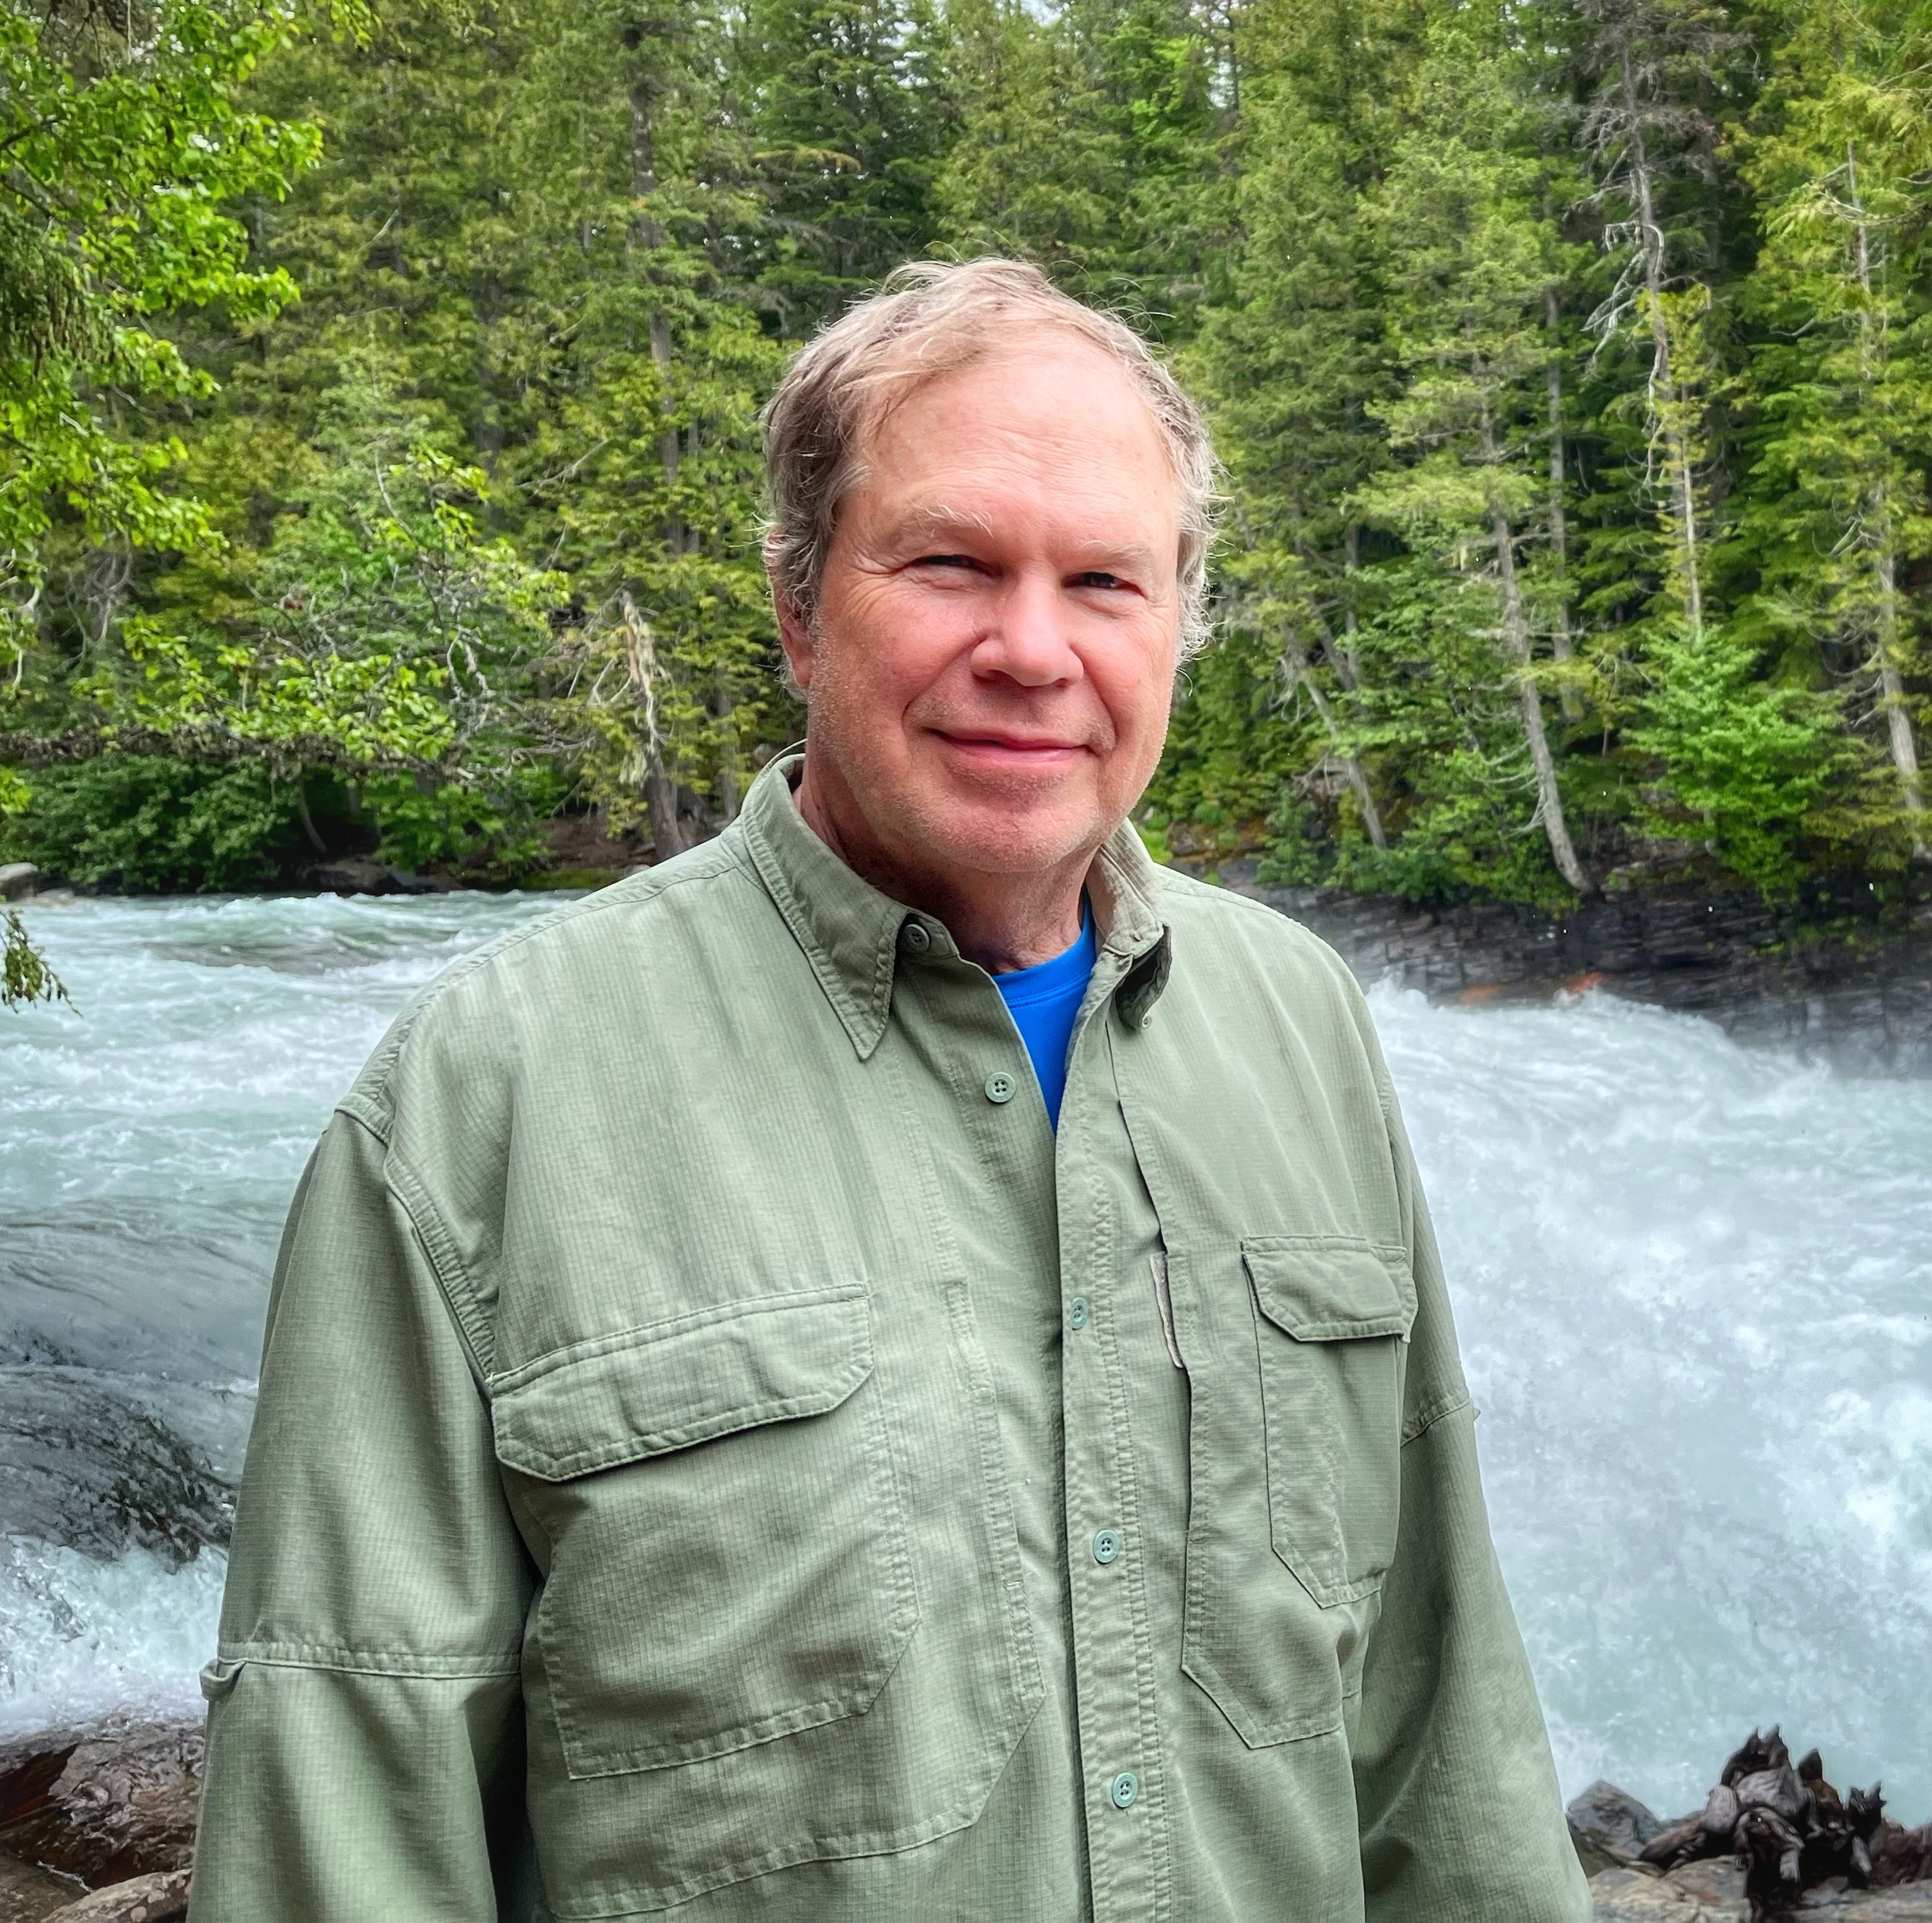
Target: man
[893,1367]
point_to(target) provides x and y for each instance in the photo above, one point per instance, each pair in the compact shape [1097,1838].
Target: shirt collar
[850,932]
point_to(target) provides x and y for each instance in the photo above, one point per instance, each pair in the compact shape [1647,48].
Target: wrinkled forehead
[919,366]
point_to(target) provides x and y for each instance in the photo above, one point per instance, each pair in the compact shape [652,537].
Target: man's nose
[1028,640]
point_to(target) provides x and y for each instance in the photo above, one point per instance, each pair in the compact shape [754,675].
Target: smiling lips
[1012,750]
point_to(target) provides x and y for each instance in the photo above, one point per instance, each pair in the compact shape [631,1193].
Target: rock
[29,1893]
[358,875]
[1713,1892]
[1609,1827]
[1912,1903]
[1716,1883]
[103,1805]
[1629,1896]
[18,879]
[80,1467]
[159,1899]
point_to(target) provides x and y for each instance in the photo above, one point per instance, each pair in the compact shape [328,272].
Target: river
[1693,1285]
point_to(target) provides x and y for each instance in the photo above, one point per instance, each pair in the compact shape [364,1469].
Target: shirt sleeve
[1460,1817]
[364,1740]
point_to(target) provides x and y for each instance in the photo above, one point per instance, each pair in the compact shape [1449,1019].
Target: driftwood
[160,1898]
[1792,1831]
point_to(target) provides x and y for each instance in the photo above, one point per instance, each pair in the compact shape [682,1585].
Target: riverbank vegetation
[378,393]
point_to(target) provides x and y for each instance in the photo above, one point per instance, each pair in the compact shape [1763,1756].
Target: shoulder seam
[412,1195]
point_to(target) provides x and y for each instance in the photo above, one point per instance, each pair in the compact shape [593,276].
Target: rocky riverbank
[1845,977]
[97,1826]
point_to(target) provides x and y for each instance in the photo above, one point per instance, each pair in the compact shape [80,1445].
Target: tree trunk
[1295,674]
[1349,665]
[1664,398]
[1516,637]
[1561,643]
[1891,679]
[648,235]
[660,792]
[728,778]
[307,820]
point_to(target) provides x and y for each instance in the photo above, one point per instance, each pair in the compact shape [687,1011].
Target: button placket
[1114,1681]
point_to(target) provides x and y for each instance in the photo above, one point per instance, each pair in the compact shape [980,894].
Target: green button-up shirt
[721,1451]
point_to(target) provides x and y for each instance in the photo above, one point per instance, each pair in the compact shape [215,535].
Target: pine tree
[1467,257]
[848,108]
[1844,176]
[634,147]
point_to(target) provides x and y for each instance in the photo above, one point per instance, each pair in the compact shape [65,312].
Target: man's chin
[1019,842]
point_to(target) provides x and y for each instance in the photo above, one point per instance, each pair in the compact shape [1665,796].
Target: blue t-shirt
[1044,1002]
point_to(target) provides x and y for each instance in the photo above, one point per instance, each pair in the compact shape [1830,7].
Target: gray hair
[931,319]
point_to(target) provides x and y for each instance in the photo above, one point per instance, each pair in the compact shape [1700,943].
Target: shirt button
[1078,1310]
[1001,1087]
[1124,1788]
[914,939]
[1106,1546]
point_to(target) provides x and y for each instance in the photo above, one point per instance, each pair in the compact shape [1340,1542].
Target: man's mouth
[996,745]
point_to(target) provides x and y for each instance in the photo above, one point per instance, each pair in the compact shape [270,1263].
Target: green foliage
[1749,765]
[378,627]
[148,823]
[1568,361]
[494,835]
[124,139]
[25,977]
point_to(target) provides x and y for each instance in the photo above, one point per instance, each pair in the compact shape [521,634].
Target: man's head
[991,518]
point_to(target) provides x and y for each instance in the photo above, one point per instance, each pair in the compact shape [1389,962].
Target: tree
[847,107]
[1468,258]
[1844,177]
[1647,132]
[124,143]
[648,468]
[378,631]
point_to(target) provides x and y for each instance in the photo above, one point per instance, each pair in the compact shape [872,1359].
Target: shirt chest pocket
[1333,1320]
[728,1560]
[1297,1359]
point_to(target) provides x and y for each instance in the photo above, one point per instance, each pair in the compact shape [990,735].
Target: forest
[379,388]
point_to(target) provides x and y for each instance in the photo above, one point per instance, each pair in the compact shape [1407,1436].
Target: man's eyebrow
[1131,555]
[919,525]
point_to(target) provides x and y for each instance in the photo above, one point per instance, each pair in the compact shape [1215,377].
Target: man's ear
[794,631]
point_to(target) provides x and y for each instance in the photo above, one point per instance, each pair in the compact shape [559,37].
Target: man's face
[990,672]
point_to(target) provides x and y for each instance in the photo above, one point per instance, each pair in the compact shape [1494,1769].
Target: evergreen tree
[1467,266]
[850,112]
[1843,369]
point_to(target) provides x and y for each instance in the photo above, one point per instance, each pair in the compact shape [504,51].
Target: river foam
[1693,1285]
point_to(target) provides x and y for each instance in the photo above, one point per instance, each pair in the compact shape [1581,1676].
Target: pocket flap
[644,1391]
[1332,1288]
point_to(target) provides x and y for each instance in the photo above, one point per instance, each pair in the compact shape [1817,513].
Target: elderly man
[893,1367]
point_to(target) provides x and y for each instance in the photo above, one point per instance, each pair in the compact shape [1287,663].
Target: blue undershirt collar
[1044,1001]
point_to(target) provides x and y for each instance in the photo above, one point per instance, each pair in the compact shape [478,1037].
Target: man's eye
[1099,577]
[946,560]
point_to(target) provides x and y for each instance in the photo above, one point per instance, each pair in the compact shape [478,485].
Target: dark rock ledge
[109,1809]
[1843,976]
